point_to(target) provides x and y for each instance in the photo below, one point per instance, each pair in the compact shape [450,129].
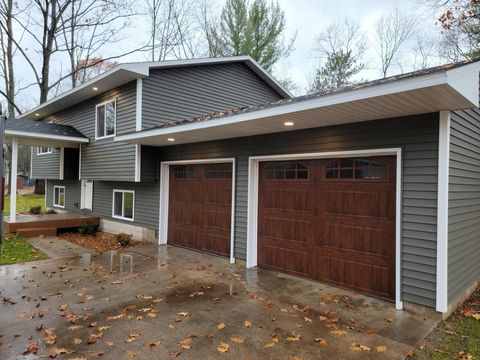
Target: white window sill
[122,218]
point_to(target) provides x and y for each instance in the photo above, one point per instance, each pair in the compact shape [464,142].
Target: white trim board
[138,162]
[164,194]
[252,207]
[442,211]
[25,134]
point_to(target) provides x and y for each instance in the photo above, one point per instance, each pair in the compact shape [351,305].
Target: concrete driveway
[166,302]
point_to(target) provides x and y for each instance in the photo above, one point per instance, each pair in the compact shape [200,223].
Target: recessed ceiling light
[37,114]
[171,139]
[95,88]
[288,123]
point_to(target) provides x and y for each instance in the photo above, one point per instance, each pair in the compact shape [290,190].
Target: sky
[306,19]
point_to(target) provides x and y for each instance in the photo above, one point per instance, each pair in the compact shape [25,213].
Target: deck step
[28,233]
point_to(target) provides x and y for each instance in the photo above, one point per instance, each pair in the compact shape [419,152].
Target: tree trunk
[39,187]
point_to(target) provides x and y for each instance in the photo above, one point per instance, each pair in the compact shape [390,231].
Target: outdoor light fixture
[95,88]
[288,123]
[37,114]
[171,139]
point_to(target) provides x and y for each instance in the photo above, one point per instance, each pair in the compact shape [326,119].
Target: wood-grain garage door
[331,220]
[200,205]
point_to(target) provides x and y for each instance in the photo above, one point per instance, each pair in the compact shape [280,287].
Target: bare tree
[392,32]
[208,18]
[425,49]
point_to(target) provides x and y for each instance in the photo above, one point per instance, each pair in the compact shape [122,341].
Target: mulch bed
[100,242]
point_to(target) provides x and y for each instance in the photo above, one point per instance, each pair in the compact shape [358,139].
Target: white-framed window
[59,196]
[106,119]
[123,206]
[42,150]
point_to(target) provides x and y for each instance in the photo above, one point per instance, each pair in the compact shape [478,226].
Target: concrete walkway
[56,248]
[155,302]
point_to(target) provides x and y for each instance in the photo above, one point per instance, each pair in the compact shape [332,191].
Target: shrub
[124,239]
[35,210]
[88,229]
[50,211]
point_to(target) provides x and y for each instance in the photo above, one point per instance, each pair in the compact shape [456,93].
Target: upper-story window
[106,119]
[42,150]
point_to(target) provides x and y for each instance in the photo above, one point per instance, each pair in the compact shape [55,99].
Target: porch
[46,224]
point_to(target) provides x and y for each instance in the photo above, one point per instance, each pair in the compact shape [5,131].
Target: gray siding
[464,202]
[147,200]
[170,95]
[104,159]
[46,166]
[72,194]
[418,138]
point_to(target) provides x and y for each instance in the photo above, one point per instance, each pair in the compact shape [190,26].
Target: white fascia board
[460,79]
[436,79]
[137,69]
[26,134]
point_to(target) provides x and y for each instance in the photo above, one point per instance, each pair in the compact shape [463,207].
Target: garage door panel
[200,207]
[356,238]
[330,220]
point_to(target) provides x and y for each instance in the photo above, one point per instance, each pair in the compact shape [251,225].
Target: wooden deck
[46,224]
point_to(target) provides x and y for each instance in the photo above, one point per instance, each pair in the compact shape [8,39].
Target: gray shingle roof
[42,128]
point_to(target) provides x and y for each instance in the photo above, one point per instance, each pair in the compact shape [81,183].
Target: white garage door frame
[253,184]
[165,190]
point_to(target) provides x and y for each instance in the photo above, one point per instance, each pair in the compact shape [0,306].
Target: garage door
[200,205]
[331,220]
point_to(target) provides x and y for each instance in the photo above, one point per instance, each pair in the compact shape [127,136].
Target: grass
[16,249]
[24,203]
[458,337]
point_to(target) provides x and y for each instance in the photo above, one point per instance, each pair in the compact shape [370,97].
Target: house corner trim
[442,211]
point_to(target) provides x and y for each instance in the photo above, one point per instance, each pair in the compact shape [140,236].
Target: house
[375,188]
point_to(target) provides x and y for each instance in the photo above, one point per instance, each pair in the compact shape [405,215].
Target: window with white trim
[59,196]
[105,119]
[123,204]
[42,150]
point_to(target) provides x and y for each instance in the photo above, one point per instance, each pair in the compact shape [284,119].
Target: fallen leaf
[103,328]
[77,341]
[389,319]
[321,341]
[92,338]
[175,353]
[220,326]
[462,355]
[247,323]
[130,353]
[32,348]
[339,332]
[293,337]
[297,358]
[359,347]
[268,345]
[223,347]
[109,343]
[49,337]
[75,327]
[237,339]
[152,314]
[118,282]
[152,344]
[381,349]
[307,319]
[185,343]
[183,313]
[132,337]
[54,352]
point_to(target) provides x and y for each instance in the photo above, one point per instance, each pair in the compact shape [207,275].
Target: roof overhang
[38,139]
[125,73]
[451,89]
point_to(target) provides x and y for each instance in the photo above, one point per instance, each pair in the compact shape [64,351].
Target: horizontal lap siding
[464,202]
[46,166]
[104,159]
[170,95]
[418,138]
[72,194]
[147,197]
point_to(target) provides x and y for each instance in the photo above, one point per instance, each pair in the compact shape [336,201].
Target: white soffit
[443,90]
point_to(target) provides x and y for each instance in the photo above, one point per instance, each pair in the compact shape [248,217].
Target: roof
[349,88]
[447,87]
[42,131]
[127,72]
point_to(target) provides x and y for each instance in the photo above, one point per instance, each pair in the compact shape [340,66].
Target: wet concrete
[55,247]
[179,297]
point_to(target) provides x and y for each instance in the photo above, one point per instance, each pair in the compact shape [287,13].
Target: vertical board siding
[46,166]
[171,95]
[418,138]
[464,202]
[104,159]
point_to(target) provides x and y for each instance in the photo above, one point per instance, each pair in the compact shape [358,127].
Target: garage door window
[123,204]
[360,169]
[218,171]
[289,170]
[184,172]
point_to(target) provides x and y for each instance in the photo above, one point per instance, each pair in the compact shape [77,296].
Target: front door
[87,195]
